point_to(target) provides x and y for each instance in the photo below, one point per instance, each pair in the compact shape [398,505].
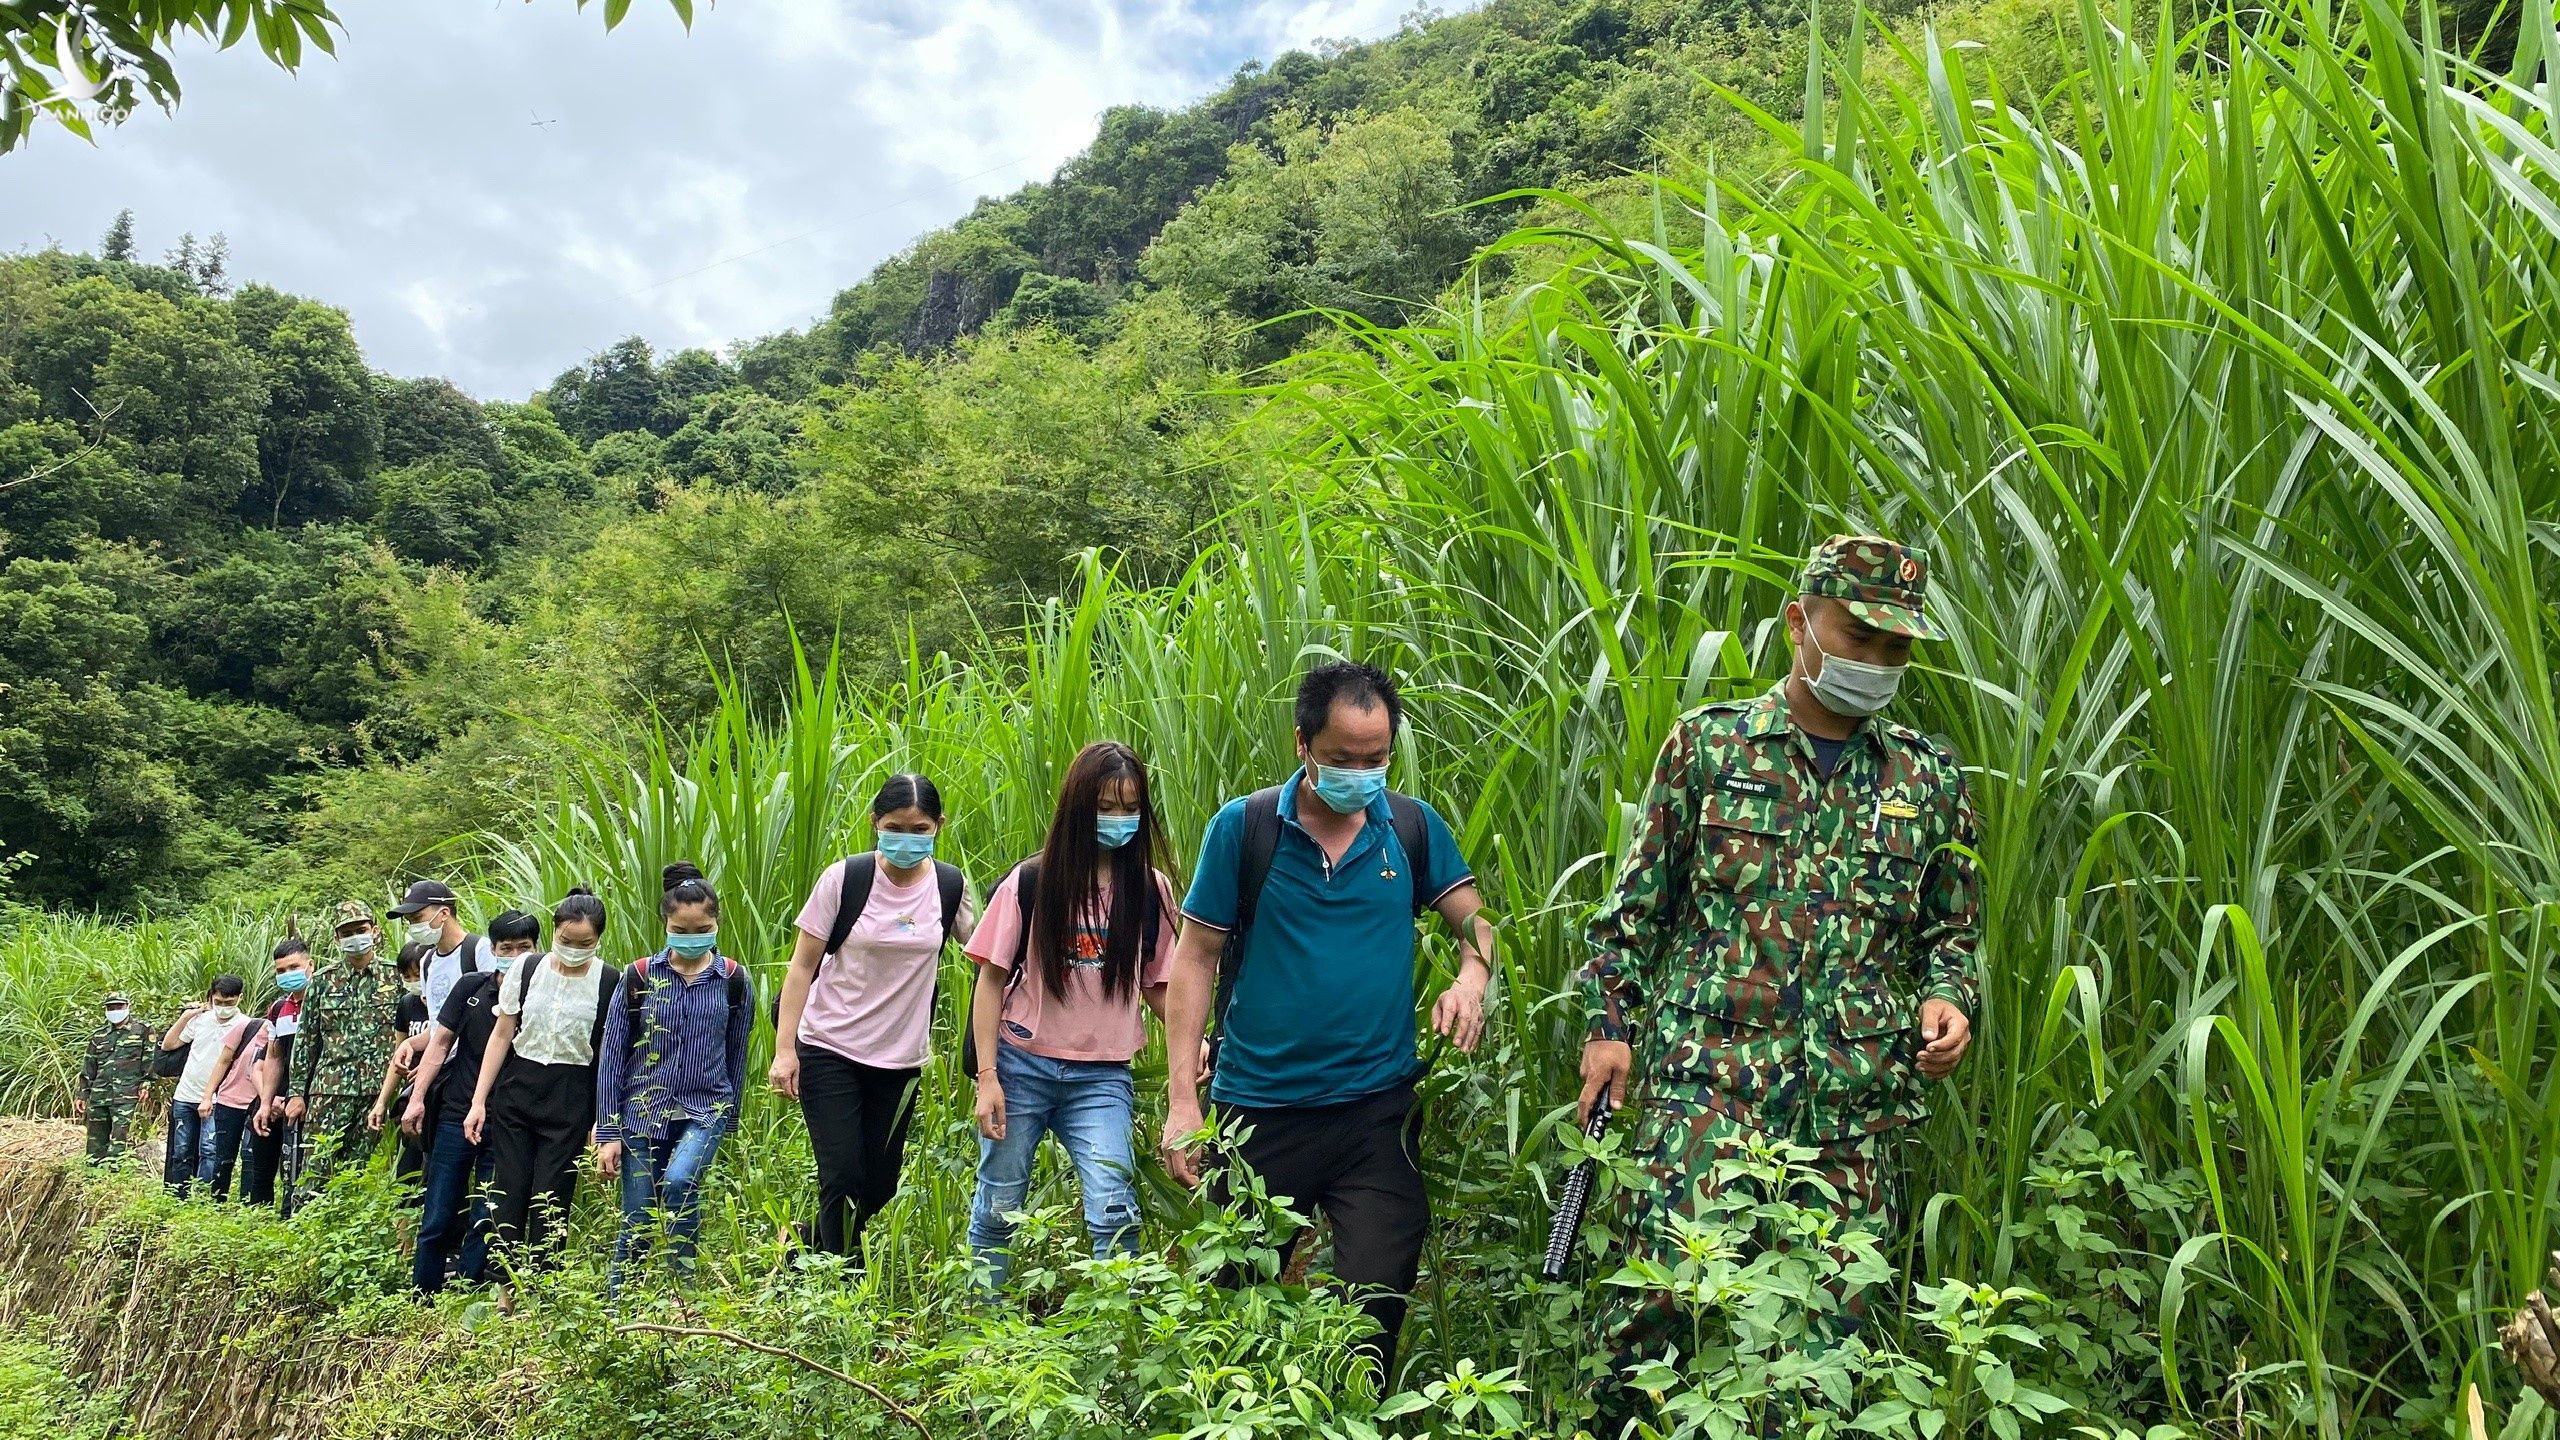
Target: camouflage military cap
[116,997]
[351,912]
[1883,583]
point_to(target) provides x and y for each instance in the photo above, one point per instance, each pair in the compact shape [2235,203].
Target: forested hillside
[265,607]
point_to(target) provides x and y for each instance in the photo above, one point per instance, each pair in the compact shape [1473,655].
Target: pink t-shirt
[239,1089]
[1084,1023]
[873,1001]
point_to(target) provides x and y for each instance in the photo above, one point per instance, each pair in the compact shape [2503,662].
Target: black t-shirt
[470,1012]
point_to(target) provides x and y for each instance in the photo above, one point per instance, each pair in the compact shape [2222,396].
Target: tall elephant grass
[54,970]
[2218,384]
[2222,401]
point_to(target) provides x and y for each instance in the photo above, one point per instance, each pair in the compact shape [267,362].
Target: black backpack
[1026,885]
[1253,868]
[634,985]
[859,873]
[611,981]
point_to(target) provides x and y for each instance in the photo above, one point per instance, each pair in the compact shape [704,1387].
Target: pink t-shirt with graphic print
[873,1002]
[1084,1023]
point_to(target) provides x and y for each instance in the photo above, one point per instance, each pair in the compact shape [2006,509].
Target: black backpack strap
[605,989]
[1253,867]
[1026,888]
[859,871]
[1404,813]
[737,981]
[1026,879]
[524,979]
[954,887]
[1153,920]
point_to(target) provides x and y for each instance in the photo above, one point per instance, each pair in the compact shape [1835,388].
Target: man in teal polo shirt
[1316,1026]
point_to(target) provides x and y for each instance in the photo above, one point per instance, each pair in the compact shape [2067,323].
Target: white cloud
[494,194]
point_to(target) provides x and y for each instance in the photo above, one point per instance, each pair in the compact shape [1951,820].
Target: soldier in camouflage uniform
[115,1079]
[349,1024]
[1789,951]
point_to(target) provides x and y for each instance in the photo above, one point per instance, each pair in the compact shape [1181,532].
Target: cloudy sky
[496,189]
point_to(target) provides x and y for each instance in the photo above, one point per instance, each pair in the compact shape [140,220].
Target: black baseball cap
[421,895]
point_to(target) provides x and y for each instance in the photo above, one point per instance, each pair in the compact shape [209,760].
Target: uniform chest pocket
[1892,851]
[1741,839]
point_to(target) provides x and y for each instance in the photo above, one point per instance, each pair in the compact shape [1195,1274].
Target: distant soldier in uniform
[1790,946]
[349,1024]
[115,1080]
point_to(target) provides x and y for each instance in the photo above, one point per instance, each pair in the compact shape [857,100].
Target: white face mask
[226,1013]
[574,956]
[1850,687]
[117,1014]
[414,987]
[422,933]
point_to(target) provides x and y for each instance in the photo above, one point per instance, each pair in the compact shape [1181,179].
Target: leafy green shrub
[39,1400]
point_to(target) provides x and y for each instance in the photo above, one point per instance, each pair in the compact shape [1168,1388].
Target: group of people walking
[1789,950]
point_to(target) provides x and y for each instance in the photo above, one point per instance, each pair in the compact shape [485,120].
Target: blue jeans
[452,1210]
[1088,1105]
[662,1181]
[219,1147]
[187,1133]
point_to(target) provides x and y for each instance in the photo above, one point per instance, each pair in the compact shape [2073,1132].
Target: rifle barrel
[1576,1197]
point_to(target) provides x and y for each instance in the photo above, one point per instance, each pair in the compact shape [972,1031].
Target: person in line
[1315,1010]
[855,1024]
[1067,968]
[533,1105]
[1793,932]
[428,911]
[115,1080]
[262,1151]
[672,1073]
[198,1030]
[229,1102]
[348,1029]
[410,1161]
[453,1221]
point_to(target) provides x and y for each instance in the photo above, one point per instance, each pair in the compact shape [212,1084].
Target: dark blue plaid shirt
[690,1059]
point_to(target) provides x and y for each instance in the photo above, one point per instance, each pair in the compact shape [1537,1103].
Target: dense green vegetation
[275,623]
[2213,365]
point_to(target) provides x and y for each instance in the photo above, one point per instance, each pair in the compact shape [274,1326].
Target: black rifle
[1576,1196]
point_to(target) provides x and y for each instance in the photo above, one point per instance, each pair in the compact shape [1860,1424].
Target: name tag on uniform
[1896,810]
[1747,785]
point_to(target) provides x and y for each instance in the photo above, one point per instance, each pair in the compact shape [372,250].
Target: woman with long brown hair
[1076,946]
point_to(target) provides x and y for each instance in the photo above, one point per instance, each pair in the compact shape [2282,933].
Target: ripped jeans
[1089,1105]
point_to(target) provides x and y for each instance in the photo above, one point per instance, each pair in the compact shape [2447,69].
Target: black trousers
[540,1117]
[1359,1163]
[260,1156]
[857,1117]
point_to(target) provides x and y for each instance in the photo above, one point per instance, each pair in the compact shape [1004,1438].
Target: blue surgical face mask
[690,946]
[905,851]
[1115,831]
[292,981]
[1348,792]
